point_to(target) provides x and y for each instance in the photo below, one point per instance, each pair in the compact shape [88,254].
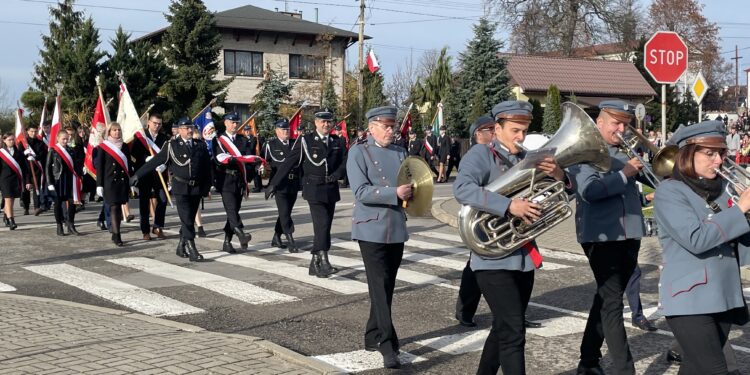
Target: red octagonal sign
[665,57]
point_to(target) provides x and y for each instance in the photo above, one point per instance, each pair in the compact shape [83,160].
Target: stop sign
[665,57]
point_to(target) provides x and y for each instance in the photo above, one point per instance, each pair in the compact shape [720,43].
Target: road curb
[440,214]
[277,350]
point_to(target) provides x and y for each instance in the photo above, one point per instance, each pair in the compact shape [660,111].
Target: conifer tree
[552,111]
[272,92]
[538,117]
[330,100]
[191,45]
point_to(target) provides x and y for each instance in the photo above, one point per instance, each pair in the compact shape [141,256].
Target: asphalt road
[266,292]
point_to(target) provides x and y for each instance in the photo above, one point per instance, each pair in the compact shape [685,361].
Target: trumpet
[662,162]
[737,177]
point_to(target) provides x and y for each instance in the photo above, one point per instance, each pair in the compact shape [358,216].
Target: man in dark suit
[35,155]
[323,160]
[415,146]
[230,179]
[150,186]
[443,153]
[190,164]
[276,151]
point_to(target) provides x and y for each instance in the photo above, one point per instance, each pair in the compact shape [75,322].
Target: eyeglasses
[713,153]
[486,129]
[385,127]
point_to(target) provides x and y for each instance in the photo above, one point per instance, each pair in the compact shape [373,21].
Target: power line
[45,24]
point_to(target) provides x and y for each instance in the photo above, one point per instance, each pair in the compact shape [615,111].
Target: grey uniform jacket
[608,206]
[372,170]
[699,273]
[478,168]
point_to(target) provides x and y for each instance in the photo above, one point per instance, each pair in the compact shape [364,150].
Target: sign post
[665,59]
[699,89]
[640,114]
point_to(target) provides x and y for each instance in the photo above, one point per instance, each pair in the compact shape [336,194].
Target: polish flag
[294,123]
[20,130]
[56,122]
[372,62]
[98,126]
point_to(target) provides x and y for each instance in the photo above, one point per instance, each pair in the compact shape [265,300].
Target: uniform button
[721,256]
[659,305]
[659,285]
[380,169]
[661,267]
[377,191]
[383,177]
[376,162]
[386,186]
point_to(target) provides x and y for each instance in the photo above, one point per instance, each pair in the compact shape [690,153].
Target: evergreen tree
[70,55]
[272,92]
[330,100]
[434,88]
[552,111]
[191,45]
[144,72]
[482,79]
[538,114]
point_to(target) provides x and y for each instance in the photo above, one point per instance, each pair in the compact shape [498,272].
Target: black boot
[325,266]
[6,221]
[227,246]
[276,241]
[60,230]
[192,251]
[292,245]
[102,225]
[116,239]
[314,269]
[201,232]
[244,238]
[12,225]
[181,249]
[72,229]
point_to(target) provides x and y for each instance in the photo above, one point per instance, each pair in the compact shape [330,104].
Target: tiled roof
[599,50]
[579,76]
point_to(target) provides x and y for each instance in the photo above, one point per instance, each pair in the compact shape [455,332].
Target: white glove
[148,158]
[51,187]
[134,190]
[30,158]
[85,170]
[161,168]
[261,169]
[100,191]
[28,151]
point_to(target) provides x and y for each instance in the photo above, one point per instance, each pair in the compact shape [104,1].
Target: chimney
[297,15]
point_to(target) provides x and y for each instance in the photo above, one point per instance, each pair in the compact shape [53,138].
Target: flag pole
[31,165]
[161,177]
[212,102]
[403,122]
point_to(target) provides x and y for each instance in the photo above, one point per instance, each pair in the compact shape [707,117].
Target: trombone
[662,162]
[736,176]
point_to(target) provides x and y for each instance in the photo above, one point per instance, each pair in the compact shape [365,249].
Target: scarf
[115,141]
[706,189]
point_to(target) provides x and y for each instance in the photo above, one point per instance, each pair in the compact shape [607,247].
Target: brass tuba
[578,141]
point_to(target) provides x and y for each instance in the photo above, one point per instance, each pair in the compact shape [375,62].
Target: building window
[305,66]
[243,63]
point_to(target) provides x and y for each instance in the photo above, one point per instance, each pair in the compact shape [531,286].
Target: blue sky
[400,28]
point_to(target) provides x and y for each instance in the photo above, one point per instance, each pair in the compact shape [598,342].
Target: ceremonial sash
[13,164]
[147,142]
[231,151]
[534,254]
[77,183]
[428,145]
[117,154]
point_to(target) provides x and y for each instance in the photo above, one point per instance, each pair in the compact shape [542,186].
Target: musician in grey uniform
[379,224]
[505,283]
[609,227]
[699,288]
[275,151]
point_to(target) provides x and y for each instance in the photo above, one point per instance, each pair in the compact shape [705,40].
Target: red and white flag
[294,124]
[40,134]
[20,130]
[406,124]
[56,122]
[98,125]
[372,61]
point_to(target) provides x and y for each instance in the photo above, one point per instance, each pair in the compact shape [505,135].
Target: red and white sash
[77,182]
[231,151]
[428,146]
[117,154]
[147,142]
[13,164]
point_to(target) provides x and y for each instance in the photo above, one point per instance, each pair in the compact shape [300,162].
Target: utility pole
[360,62]
[737,58]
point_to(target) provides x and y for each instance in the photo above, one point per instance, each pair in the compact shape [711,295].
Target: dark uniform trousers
[612,264]
[322,217]
[147,189]
[704,334]
[232,200]
[27,194]
[381,266]
[285,203]
[187,208]
[507,293]
[469,294]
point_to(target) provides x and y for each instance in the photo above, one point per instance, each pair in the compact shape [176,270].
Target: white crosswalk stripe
[362,360]
[6,288]
[238,290]
[130,296]
[336,284]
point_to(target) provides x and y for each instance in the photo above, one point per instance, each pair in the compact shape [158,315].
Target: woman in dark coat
[61,182]
[13,176]
[112,174]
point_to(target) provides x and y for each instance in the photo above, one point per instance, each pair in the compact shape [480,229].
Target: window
[243,63]
[305,67]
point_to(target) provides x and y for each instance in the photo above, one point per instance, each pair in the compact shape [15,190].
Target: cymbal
[414,170]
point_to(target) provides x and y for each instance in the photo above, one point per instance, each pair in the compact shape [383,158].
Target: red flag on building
[294,124]
[372,62]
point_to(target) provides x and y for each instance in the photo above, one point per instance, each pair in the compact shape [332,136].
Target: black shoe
[6,221]
[325,266]
[465,322]
[60,230]
[227,246]
[116,239]
[201,233]
[25,211]
[12,225]
[315,262]
[102,225]
[256,190]
[581,370]
[291,244]
[244,238]
[276,241]
[530,324]
[38,211]
[644,324]
[192,251]
[376,347]
[390,360]
[181,249]
[129,218]
[72,229]
[674,357]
